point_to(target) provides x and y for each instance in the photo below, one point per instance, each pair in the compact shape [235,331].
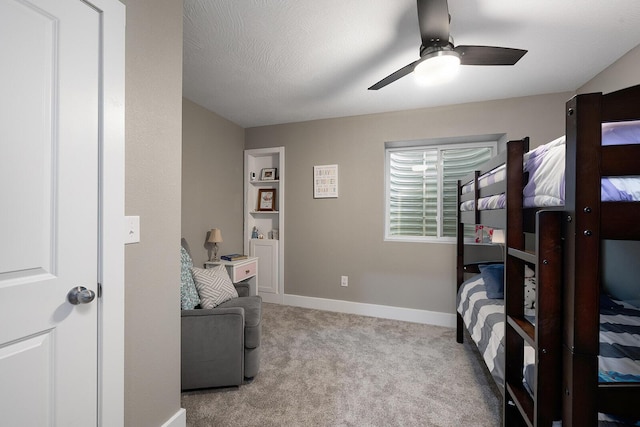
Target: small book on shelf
[233,257]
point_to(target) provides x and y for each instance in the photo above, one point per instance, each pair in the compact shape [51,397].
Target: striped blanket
[619,358]
[484,319]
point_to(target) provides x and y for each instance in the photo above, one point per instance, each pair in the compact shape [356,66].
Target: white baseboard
[374,310]
[271,297]
[179,419]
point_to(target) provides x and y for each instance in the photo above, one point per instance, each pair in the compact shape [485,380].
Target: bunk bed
[563,339]
[505,330]
[588,221]
[483,316]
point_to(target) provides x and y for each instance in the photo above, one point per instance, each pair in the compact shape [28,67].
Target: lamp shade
[215,236]
[498,237]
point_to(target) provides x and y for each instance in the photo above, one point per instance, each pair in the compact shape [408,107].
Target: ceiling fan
[437,52]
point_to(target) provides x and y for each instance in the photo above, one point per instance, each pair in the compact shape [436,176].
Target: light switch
[132,229]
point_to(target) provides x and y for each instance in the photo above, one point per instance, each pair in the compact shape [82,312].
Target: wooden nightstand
[244,270]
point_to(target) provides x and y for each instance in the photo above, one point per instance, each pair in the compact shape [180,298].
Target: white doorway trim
[111,216]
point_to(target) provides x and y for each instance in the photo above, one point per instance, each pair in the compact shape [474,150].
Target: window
[422,186]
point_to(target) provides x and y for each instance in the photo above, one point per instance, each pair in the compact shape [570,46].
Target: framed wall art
[325,181]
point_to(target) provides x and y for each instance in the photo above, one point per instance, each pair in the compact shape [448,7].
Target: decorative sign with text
[325,181]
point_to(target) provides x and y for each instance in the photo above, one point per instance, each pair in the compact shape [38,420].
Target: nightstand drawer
[244,271]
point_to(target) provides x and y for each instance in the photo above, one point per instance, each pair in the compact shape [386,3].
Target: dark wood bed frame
[568,270]
[587,221]
[490,218]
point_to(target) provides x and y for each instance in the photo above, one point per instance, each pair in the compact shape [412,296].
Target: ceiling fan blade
[433,18]
[489,55]
[395,76]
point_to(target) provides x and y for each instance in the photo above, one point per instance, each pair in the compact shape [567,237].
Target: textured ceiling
[262,62]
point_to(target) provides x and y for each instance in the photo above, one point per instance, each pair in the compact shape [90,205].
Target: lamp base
[215,252]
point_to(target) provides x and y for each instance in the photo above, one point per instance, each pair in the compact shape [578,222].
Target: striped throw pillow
[214,286]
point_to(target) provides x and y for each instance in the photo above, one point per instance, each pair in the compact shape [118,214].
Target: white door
[49,165]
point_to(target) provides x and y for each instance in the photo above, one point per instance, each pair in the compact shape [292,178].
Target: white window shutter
[416,182]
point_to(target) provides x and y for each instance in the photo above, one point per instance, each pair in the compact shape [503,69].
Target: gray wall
[212,180]
[153,152]
[623,73]
[327,238]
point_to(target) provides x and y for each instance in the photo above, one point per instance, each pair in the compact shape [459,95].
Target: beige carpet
[321,368]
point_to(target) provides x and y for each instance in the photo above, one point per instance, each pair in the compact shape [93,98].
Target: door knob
[80,295]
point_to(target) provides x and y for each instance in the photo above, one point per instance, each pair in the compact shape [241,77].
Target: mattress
[545,167]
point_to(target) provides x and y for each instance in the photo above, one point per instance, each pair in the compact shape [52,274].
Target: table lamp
[499,238]
[215,237]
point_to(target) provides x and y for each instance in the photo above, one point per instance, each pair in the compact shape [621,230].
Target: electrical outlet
[344,281]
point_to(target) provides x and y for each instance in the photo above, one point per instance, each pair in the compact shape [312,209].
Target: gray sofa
[221,346]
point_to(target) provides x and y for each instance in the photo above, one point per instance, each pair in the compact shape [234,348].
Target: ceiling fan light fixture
[437,67]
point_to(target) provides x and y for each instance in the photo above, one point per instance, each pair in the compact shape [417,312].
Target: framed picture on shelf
[268,174]
[266,199]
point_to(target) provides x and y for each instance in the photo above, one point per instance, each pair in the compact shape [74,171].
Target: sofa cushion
[252,318]
[188,294]
[214,286]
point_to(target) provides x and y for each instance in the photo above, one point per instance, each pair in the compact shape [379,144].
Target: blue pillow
[493,276]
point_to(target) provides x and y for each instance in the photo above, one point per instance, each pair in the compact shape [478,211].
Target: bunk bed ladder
[543,406]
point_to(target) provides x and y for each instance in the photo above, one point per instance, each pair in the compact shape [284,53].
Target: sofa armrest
[212,345]
[243,289]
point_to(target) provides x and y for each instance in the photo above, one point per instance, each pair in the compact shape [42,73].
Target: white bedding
[496,175]
[545,167]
